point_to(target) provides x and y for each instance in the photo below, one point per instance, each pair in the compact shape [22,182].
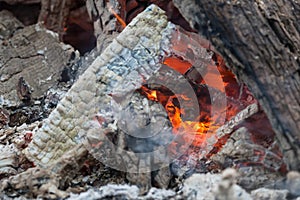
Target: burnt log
[105,25]
[35,70]
[70,19]
[54,14]
[260,41]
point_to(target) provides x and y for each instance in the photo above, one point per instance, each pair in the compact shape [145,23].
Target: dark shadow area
[27,13]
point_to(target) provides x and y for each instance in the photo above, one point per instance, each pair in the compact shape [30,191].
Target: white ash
[269,194]
[293,182]
[112,191]
[214,186]
[8,159]
[5,197]
[159,194]
[16,135]
[108,191]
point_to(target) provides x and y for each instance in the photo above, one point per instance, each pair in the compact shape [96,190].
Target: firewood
[9,24]
[54,14]
[105,26]
[31,63]
[260,42]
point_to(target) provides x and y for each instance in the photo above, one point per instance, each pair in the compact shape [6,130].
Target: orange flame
[204,125]
[196,128]
[119,19]
[151,94]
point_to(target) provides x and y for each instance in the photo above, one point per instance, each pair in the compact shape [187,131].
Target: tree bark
[260,41]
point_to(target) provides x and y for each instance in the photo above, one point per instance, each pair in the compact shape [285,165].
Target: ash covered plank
[135,54]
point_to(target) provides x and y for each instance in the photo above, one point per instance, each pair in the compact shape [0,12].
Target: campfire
[140,106]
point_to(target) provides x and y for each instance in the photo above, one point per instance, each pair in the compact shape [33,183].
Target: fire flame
[175,114]
[119,19]
[204,125]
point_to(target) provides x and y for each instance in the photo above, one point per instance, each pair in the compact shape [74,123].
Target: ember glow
[175,114]
[177,64]
[203,126]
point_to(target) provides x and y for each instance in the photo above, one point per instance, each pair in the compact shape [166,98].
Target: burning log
[129,55]
[102,86]
[89,112]
[260,42]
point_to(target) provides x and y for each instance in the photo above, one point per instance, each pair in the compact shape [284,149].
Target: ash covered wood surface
[67,144]
[109,74]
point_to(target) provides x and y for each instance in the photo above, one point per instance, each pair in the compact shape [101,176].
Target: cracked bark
[29,51]
[260,41]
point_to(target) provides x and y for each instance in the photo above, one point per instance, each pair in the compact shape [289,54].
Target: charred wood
[260,42]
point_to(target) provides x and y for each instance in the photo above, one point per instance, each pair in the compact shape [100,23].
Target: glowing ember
[151,94]
[205,124]
[177,64]
[198,129]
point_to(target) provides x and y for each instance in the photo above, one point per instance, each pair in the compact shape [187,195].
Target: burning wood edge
[228,128]
[236,120]
[210,148]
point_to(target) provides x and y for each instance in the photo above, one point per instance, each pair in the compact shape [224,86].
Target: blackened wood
[31,61]
[54,14]
[260,42]
[9,25]
[105,23]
